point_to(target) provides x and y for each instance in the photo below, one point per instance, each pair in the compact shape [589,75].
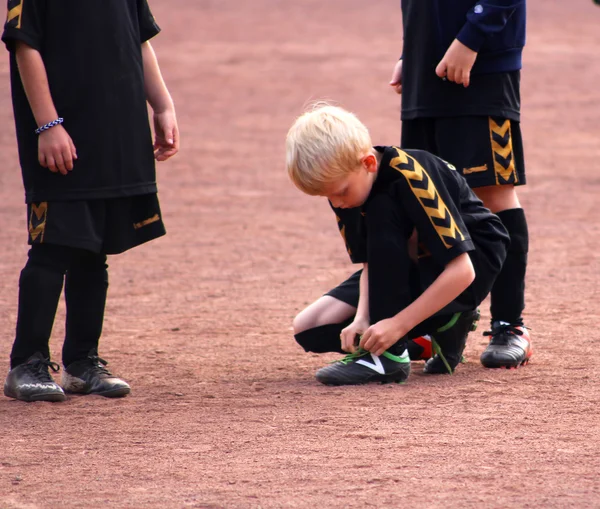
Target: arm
[56,150]
[361,319]
[487,18]
[166,132]
[396,81]
[454,279]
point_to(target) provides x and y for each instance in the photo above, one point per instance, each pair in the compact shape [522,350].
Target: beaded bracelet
[49,125]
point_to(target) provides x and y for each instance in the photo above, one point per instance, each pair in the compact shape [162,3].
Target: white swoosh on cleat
[375,366]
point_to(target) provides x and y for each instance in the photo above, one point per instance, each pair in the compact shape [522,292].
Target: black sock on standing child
[40,288]
[508,292]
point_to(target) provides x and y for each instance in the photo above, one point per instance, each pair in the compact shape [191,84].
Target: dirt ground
[225,411]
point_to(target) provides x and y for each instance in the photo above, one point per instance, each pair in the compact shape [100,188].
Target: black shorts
[487,151]
[348,291]
[108,226]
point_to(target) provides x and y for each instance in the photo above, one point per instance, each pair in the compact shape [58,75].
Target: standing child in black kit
[81,73]
[459,77]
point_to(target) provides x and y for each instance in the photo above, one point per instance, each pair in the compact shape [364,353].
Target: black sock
[508,292]
[85,294]
[40,286]
[325,338]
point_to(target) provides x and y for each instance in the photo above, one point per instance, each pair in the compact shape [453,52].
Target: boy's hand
[56,150]
[457,64]
[348,335]
[396,81]
[166,135]
[380,336]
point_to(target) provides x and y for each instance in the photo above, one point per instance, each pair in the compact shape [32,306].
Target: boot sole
[517,365]
[52,398]
[398,378]
[113,393]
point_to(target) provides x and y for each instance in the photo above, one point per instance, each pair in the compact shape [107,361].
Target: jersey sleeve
[351,223]
[486,18]
[148,26]
[429,204]
[24,22]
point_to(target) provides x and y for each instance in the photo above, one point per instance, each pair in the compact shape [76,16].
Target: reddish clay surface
[225,411]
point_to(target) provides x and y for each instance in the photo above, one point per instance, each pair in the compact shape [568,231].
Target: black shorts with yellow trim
[108,226]
[487,151]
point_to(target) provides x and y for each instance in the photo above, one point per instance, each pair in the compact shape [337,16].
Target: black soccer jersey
[425,94]
[435,199]
[92,53]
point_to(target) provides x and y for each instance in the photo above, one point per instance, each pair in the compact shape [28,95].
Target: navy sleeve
[148,26]
[429,204]
[486,18]
[351,223]
[25,22]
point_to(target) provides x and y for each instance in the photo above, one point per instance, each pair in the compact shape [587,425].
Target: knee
[498,198]
[88,261]
[49,257]
[303,321]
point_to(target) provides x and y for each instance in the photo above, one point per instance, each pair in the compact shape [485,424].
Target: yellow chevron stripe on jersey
[502,152]
[14,13]
[424,189]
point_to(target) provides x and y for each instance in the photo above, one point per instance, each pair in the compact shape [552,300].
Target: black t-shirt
[435,200]
[92,53]
[424,94]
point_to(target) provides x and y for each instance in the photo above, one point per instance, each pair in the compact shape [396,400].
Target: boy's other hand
[396,81]
[381,336]
[457,64]
[348,335]
[166,135]
[56,150]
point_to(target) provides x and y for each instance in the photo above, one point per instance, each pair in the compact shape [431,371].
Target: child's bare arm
[396,80]
[56,150]
[454,279]
[166,132]
[361,320]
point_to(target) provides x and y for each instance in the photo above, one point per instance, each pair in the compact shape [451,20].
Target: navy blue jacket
[495,29]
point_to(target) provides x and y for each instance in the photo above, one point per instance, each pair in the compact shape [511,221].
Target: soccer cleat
[419,348]
[362,367]
[31,381]
[449,343]
[89,376]
[510,346]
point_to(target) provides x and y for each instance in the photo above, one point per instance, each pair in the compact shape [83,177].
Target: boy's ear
[370,162]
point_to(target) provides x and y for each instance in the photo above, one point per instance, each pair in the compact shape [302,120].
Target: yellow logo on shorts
[37,222]
[502,152]
[146,222]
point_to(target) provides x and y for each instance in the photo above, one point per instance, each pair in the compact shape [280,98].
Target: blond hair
[324,145]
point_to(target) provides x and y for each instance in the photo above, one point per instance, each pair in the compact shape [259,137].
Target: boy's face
[354,189]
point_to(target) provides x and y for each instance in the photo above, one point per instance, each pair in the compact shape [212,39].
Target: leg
[391,288]
[317,328]
[510,345]
[508,292]
[493,167]
[85,295]
[40,286]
